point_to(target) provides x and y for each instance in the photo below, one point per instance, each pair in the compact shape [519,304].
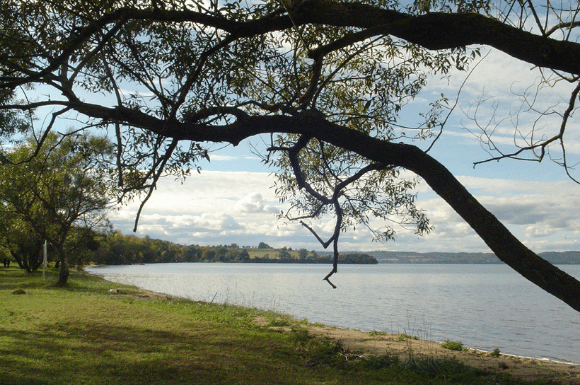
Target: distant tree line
[121,249]
[112,247]
[285,257]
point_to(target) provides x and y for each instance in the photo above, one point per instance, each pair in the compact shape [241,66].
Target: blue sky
[232,201]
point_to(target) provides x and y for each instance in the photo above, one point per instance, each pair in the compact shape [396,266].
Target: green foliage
[453,345]
[195,74]
[495,353]
[357,258]
[403,337]
[284,254]
[279,322]
[450,369]
[19,240]
[54,189]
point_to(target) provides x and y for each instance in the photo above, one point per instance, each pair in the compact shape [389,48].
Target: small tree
[55,185]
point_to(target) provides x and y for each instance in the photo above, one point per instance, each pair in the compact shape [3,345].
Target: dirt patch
[377,344]
[406,348]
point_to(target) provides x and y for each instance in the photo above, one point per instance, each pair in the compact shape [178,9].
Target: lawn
[85,334]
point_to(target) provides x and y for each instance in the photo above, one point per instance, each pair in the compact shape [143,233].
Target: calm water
[483,306]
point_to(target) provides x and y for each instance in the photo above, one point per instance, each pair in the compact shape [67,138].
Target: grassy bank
[85,334]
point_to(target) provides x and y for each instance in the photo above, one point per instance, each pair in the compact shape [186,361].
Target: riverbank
[97,332]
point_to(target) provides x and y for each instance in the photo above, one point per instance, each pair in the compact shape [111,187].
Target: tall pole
[44,260]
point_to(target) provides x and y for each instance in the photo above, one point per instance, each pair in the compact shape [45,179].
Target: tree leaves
[53,186]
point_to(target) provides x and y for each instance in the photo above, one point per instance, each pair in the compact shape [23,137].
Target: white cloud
[536,231]
[208,208]
[253,203]
[240,207]
[538,213]
[222,157]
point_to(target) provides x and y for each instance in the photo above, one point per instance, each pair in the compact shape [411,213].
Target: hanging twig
[156,176]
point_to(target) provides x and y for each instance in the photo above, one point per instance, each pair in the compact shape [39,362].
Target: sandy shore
[406,348]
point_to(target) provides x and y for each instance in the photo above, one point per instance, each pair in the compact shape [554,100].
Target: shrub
[453,345]
[495,353]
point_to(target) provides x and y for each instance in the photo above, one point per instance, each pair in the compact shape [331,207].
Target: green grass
[83,334]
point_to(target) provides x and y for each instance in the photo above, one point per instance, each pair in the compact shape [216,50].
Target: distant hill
[433,257]
[555,257]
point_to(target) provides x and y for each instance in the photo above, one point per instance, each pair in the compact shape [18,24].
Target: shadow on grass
[78,339]
[9,380]
[67,353]
[17,278]
[13,278]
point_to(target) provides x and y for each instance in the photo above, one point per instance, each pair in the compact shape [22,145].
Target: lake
[483,306]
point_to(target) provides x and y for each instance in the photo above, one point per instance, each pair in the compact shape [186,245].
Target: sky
[232,200]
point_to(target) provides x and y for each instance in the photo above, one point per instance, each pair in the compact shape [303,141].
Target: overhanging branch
[435,31]
[505,246]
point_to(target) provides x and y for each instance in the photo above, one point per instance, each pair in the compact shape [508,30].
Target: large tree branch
[438,31]
[435,31]
[505,246]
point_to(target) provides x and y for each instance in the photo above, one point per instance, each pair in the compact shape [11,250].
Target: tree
[208,254]
[56,188]
[119,249]
[325,81]
[284,254]
[357,259]
[20,240]
[263,245]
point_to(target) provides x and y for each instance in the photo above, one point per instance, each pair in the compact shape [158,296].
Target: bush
[453,345]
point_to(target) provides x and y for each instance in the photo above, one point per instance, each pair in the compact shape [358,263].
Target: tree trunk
[63,272]
[21,262]
[36,260]
[499,239]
